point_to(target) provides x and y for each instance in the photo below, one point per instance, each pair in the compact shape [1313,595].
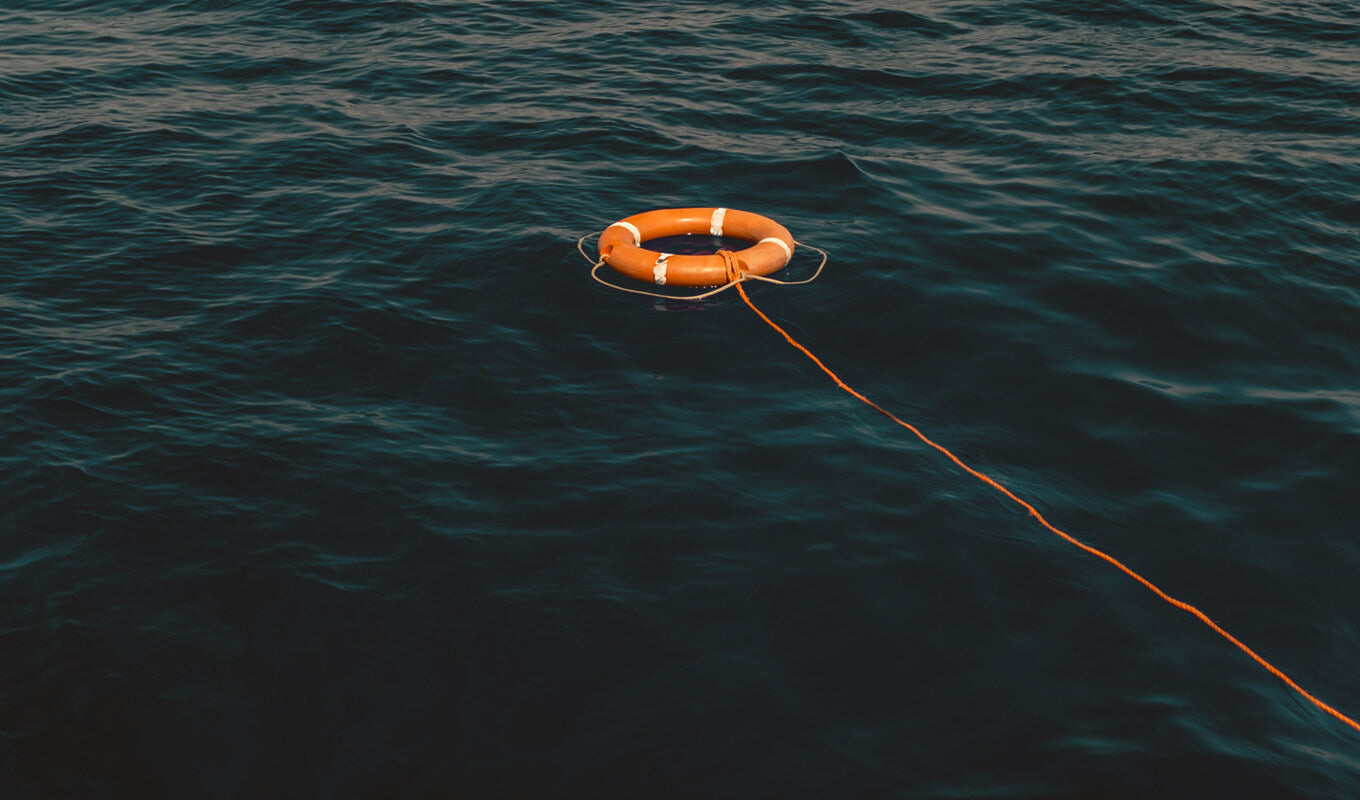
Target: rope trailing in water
[1034,512]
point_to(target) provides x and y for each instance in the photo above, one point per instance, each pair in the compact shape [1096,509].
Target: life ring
[620,245]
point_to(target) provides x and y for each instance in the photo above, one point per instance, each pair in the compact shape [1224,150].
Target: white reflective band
[659,271]
[715,225]
[788,253]
[637,234]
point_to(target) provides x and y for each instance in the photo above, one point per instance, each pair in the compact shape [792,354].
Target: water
[327,472]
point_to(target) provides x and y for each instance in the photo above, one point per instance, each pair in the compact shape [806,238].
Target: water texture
[327,472]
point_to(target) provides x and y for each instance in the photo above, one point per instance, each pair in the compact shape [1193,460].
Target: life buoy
[620,245]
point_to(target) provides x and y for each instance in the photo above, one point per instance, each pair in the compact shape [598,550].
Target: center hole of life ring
[695,244]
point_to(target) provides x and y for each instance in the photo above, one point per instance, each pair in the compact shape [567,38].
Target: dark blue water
[327,471]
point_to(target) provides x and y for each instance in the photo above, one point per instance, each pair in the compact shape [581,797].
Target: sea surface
[327,472]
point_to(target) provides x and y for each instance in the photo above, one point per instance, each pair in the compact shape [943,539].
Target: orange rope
[1034,512]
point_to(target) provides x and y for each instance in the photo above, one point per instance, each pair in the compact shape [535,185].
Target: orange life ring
[621,247]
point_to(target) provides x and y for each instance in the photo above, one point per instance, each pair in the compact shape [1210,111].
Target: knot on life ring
[620,246]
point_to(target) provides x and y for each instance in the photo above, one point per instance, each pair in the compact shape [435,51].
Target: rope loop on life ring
[620,246]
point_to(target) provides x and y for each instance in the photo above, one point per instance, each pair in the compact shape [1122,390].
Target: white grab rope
[595,270]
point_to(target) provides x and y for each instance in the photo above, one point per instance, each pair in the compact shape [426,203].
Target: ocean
[328,472]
